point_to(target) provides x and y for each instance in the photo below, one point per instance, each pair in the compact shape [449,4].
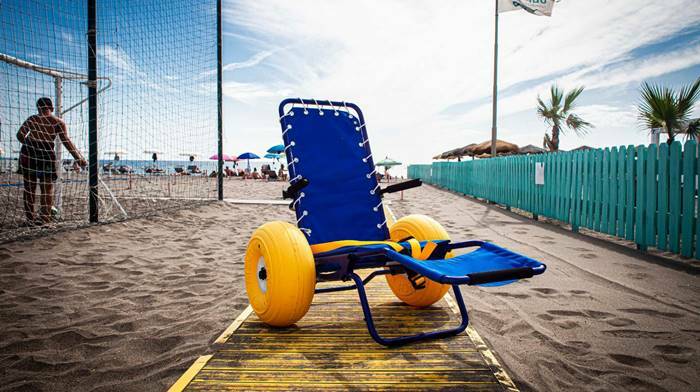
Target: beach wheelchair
[341,228]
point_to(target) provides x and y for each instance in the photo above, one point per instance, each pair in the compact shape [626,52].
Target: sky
[422,71]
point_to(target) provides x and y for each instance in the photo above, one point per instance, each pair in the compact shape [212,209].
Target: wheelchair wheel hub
[262,275]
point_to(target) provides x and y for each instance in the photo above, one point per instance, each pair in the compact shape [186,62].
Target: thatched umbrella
[468,150]
[530,149]
[502,147]
[583,148]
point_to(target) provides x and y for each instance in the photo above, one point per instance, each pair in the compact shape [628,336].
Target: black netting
[157,109]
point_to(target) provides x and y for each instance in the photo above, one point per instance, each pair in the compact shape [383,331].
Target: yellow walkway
[330,348]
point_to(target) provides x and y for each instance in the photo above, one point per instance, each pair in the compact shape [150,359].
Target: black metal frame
[342,267]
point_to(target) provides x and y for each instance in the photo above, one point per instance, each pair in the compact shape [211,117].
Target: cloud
[251,62]
[405,62]
[250,92]
[118,58]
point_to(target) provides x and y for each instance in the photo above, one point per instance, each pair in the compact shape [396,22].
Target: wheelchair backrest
[326,143]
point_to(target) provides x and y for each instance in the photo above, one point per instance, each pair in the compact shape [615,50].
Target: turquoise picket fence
[643,194]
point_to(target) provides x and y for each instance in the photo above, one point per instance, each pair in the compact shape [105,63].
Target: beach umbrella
[278,149]
[387,163]
[248,156]
[116,154]
[272,156]
[224,157]
[154,154]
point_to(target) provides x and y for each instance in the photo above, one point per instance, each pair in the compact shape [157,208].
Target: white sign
[537,7]
[539,173]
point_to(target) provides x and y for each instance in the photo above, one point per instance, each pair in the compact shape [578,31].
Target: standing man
[38,158]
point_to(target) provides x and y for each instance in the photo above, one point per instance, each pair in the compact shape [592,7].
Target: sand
[603,317]
[126,306]
[130,305]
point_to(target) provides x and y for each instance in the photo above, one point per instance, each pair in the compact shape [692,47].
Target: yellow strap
[427,250]
[416,251]
[415,247]
[329,246]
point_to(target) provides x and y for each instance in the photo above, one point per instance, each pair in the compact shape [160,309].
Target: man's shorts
[38,163]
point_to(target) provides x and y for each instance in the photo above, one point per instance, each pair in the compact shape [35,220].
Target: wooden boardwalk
[330,349]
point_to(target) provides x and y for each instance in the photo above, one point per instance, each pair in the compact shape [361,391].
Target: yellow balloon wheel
[422,228]
[280,274]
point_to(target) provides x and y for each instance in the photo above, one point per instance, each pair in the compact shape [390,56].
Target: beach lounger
[341,228]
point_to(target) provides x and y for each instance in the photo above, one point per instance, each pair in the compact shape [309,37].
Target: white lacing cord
[335,109]
[304,214]
[376,208]
[293,162]
[305,106]
[345,105]
[365,159]
[369,175]
[374,191]
[301,196]
[320,109]
[290,113]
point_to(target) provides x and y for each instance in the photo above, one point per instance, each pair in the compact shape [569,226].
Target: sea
[139,166]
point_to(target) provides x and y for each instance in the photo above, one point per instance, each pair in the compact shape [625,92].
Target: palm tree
[669,110]
[558,114]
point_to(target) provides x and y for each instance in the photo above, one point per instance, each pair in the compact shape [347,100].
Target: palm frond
[693,130]
[687,98]
[556,95]
[658,108]
[577,124]
[570,99]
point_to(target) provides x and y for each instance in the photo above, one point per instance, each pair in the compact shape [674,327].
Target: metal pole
[494,124]
[92,108]
[220,131]
[58,110]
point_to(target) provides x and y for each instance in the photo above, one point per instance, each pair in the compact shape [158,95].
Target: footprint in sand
[630,360]
[511,295]
[638,334]
[638,275]
[520,231]
[567,313]
[549,242]
[620,322]
[580,249]
[544,290]
[676,354]
[567,324]
[588,256]
[652,312]
[579,292]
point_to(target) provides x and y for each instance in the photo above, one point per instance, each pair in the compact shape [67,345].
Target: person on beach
[38,158]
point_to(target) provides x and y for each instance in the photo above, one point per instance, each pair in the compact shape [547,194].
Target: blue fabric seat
[326,144]
[338,202]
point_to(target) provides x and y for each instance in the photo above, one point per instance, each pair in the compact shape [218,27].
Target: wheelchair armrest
[500,276]
[293,190]
[402,186]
